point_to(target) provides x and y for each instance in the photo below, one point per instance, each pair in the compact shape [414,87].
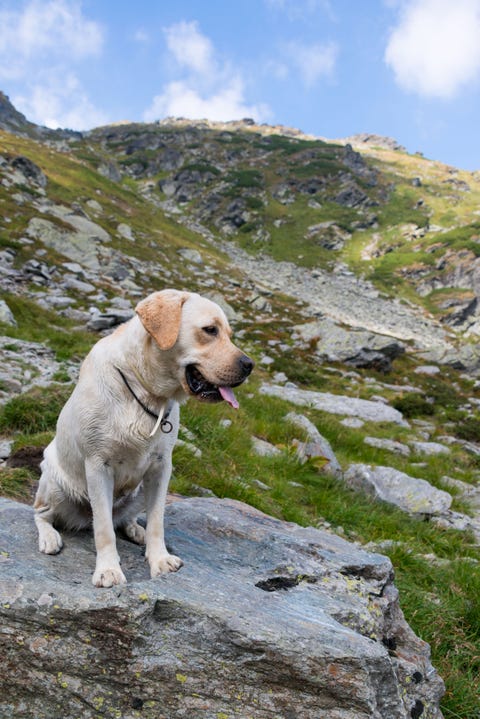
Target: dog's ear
[160,314]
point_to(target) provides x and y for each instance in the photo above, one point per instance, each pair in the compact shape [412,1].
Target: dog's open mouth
[205,390]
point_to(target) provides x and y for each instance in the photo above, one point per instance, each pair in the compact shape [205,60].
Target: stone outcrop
[336,404]
[266,619]
[413,495]
[357,348]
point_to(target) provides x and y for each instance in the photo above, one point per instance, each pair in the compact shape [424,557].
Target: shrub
[246,178]
[254,203]
[413,405]
[469,429]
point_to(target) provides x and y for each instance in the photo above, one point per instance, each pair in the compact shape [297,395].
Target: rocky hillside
[349,271]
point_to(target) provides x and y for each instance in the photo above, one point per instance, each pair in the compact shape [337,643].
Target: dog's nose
[246,364]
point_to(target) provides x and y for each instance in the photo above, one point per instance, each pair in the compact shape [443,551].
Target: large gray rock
[430,448]
[87,244]
[266,619]
[355,347]
[30,171]
[411,494]
[110,318]
[77,246]
[336,403]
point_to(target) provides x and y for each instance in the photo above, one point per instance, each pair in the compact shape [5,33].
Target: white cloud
[179,99]
[313,62]
[204,86]
[55,27]
[435,49]
[40,42]
[190,48]
[60,102]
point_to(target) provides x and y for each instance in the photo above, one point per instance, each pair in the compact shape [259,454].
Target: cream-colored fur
[103,458]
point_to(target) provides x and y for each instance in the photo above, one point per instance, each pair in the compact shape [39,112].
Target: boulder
[411,494]
[6,314]
[190,255]
[390,445]
[430,448]
[266,619]
[126,232]
[355,347]
[351,195]
[263,448]
[110,170]
[30,171]
[336,403]
[316,445]
[111,318]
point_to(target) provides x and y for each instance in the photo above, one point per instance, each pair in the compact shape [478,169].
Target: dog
[116,432]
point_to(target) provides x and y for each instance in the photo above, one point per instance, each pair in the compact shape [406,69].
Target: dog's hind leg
[125,513]
[47,498]
[49,540]
[134,531]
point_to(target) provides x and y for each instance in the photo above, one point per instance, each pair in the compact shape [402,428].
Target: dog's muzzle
[207,391]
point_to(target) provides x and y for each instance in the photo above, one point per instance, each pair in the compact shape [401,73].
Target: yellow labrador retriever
[118,429]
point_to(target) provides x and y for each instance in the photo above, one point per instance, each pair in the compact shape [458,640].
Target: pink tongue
[229,397]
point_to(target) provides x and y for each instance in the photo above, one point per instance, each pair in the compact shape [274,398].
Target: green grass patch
[34,411]
[440,600]
[17,483]
[202,167]
[246,178]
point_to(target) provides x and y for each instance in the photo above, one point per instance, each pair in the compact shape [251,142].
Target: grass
[442,607]
[34,411]
[18,483]
[36,324]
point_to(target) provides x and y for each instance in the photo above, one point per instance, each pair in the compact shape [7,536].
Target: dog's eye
[211,330]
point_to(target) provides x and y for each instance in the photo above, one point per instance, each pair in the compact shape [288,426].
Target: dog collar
[165,425]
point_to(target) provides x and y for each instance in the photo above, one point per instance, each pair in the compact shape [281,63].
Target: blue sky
[409,69]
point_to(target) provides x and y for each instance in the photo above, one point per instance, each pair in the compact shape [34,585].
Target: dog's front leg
[155,485]
[100,484]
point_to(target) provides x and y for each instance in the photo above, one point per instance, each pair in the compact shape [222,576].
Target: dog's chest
[131,465]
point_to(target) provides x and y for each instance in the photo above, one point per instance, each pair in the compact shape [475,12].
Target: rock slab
[411,494]
[266,619]
[336,404]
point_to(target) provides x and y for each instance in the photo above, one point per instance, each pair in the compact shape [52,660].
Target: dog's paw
[108,577]
[164,564]
[135,532]
[49,541]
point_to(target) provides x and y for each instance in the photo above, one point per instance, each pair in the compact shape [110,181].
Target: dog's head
[196,334]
